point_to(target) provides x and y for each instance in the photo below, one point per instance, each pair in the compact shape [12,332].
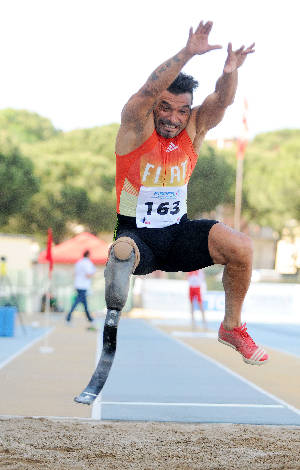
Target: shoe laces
[243,331]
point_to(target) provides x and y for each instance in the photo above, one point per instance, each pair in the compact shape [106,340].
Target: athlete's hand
[236,58]
[198,41]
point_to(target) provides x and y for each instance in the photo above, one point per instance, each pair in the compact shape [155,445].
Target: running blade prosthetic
[100,375]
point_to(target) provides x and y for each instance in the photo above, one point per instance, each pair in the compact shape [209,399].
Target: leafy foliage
[17,181]
[77,174]
[272,179]
[210,183]
[25,126]
[69,177]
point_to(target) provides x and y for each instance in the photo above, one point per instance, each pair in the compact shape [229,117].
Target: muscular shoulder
[137,125]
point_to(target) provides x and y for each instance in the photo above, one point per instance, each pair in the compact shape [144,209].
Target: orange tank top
[157,163]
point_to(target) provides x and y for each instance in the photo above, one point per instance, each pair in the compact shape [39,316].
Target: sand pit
[68,444]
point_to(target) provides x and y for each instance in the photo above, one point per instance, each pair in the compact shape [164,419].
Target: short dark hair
[182,84]
[86,253]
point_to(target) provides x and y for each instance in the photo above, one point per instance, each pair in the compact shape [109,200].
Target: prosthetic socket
[122,261]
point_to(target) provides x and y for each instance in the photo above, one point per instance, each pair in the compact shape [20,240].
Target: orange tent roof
[72,250]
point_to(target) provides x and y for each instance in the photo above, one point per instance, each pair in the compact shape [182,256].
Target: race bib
[160,206]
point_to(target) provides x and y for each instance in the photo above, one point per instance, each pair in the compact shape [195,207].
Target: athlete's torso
[151,181]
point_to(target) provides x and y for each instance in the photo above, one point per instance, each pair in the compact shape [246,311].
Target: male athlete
[156,151]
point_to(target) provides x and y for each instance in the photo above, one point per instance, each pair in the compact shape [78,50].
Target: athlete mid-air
[156,151]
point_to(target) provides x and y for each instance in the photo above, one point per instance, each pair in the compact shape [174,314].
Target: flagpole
[46,349]
[238,194]
[240,154]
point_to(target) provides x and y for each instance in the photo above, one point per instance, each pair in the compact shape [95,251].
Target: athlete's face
[172,113]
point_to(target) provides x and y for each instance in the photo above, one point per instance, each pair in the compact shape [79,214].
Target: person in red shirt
[157,147]
[197,288]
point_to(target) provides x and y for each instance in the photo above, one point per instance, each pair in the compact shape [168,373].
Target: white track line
[229,371]
[203,405]
[27,346]
[96,407]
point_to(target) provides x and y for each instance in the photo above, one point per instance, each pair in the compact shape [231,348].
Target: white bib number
[160,207]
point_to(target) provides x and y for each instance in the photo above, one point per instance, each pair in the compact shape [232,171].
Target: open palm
[236,58]
[198,40]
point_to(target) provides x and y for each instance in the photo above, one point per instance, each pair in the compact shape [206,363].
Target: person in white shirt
[84,270]
[197,287]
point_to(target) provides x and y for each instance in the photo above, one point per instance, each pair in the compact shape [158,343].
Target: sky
[77,62]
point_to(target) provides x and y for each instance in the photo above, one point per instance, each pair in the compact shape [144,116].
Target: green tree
[77,173]
[17,182]
[272,179]
[24,126]
[211,182]
[55,210]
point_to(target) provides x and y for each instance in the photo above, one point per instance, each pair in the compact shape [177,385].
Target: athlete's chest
[166,164]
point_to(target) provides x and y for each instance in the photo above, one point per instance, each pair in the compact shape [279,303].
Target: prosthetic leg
[122,261]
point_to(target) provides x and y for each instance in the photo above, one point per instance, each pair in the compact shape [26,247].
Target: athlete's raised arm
[212,110]
[136,120]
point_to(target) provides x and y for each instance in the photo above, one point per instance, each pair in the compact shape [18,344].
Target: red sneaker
[239,339]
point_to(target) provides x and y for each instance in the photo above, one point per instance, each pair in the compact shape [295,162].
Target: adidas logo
[172,147]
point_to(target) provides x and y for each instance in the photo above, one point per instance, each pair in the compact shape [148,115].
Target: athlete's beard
[161,129]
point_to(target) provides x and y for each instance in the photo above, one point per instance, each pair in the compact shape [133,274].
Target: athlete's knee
[123,248]
[241,252]
[229,246]
[244,248]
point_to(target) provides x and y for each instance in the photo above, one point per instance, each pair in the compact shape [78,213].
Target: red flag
[243,139]
[49,250]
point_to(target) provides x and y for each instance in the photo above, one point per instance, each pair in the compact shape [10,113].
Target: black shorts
[179,247]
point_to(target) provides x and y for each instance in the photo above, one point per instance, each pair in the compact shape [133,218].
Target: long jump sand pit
[70,444]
